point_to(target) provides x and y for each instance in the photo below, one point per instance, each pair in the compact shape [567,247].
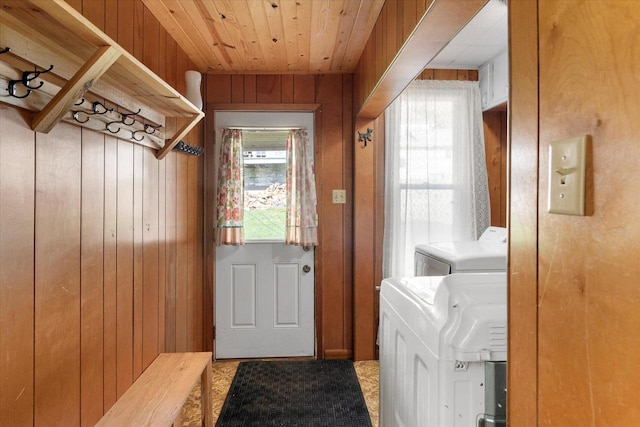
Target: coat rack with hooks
[134,103]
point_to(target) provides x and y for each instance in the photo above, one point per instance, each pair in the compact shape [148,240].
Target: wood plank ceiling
[269,36]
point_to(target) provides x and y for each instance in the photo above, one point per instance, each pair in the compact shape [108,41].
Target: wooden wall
[334,170]
[100,250]
[397,19]
[583,313]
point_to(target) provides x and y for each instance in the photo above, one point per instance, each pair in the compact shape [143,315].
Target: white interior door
[264,301]
[264,290]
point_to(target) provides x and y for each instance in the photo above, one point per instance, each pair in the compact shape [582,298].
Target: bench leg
[178,421]
[207,407]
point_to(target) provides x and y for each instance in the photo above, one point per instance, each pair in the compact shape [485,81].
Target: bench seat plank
[158,395]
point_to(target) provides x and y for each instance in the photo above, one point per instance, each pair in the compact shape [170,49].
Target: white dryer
[487,254]
[443,347]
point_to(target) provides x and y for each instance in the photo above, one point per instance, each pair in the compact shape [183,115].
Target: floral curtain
[302,217]
[230,189]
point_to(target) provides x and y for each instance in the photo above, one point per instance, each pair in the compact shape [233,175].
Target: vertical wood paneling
[347,211]
[150,258]
[124,291]
[329,168]
[94,10]
[304,89]
[125,24]
[91,276]
[269,88]
[101,219]
[171,250]
[287,89]
[182,255]
[162,252]
[17,185]
[250,89]
[57,277]
[523,215]
[237,89]
[138,186]
[110,269]
[494,123]
[195,288]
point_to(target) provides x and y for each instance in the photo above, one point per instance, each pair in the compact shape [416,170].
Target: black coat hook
[76,117]
[108,127]
[133,135]
[129,116]
[5,50]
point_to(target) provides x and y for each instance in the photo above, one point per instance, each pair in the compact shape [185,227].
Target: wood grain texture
[17,233]
[329,96]
[523,207]
[92,278]
[232,36]
[157,396]
[84,235]
[588,266]
[110,270]
[57,276]
[495,126]
[378,83]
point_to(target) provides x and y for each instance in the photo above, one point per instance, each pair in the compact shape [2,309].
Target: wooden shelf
[50,32]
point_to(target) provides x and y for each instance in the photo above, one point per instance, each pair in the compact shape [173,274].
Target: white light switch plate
[339,197]
[567,172]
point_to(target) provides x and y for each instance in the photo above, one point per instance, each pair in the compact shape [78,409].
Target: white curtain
[435,172]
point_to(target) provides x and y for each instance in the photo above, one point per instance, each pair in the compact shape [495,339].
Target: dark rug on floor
[306,393]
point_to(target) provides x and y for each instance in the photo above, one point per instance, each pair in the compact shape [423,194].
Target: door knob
[306,269]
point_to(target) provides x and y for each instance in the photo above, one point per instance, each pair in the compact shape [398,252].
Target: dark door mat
[306,393]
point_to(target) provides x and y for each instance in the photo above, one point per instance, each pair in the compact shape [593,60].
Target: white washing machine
[487,254]
[443,347]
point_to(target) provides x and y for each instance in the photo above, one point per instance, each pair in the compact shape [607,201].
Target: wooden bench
[158,395]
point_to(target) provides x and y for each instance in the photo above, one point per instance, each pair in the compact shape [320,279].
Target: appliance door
[427,266]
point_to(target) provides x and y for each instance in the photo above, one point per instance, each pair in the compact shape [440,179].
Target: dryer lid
[467,255]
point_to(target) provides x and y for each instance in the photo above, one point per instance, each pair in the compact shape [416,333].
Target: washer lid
[468,255]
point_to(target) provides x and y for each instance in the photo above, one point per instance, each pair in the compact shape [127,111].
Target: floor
[222,376]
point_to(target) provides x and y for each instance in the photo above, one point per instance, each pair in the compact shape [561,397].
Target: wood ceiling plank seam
[224,42]
[367,18]
[349,14]
[239,25]
[303,43]
[260,23]
[276,28]
[325,23]
[202,24]
[291,37]
[180,34]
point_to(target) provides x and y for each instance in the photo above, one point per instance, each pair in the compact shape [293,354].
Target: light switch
[567,164]
[339,197]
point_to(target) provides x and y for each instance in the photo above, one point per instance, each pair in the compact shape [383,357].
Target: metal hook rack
[182,147]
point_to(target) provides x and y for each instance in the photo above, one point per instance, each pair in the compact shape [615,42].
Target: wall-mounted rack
[88,67]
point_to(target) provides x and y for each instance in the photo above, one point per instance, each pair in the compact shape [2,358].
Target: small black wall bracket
[365,138]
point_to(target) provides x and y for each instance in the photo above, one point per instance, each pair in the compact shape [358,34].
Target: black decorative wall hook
[188,149]
[5,50]
[27,78]
[365,138]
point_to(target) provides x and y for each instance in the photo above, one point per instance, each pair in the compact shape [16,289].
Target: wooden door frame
[209,211]
[522,215]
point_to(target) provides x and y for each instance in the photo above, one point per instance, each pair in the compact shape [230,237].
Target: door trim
[209,210]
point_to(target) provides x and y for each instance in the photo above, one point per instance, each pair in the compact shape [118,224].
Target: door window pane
[264,190]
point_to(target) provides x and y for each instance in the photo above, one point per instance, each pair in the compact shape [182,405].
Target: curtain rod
[248,128]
